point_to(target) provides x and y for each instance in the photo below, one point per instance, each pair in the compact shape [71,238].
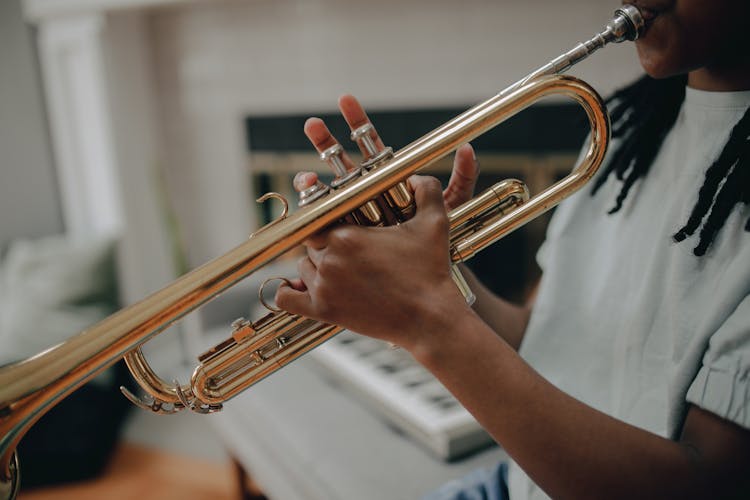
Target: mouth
[650,9]
[648,14]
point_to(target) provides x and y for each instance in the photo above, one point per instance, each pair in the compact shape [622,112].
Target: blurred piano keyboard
[407,395]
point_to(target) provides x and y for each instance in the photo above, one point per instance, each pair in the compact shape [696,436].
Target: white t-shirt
[632,323]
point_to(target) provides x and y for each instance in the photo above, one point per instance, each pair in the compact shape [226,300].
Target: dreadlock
[642,116]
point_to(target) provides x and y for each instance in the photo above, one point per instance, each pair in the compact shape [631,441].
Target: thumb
[294,300]
[463,177]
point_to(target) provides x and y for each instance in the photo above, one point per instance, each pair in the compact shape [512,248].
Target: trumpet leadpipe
[29,388]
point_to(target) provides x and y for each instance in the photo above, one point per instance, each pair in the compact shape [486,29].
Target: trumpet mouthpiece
[628,24]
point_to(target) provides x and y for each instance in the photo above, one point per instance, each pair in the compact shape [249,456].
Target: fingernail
[301,180]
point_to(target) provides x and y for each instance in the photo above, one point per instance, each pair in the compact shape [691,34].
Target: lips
[648,14]
[650,9]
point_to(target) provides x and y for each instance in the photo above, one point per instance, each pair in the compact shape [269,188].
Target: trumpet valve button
[307,196]
[332,156]
[373,154]
[363,137]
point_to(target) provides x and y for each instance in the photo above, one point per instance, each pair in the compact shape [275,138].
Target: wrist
[443,332]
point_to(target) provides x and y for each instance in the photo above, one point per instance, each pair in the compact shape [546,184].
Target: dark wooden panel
[541,129]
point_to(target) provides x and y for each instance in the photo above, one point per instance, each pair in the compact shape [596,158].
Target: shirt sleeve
[722,385]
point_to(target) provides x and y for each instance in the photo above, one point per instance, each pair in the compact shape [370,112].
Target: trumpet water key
[375,194]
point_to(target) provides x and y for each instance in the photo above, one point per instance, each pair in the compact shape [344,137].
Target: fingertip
[348,100]
[352,110]
[423,181]
[303,180]
[466,157]
[426,189]
[282,297]
[295,284]
[291,300]
[284,290]
[316,131]
[313,121]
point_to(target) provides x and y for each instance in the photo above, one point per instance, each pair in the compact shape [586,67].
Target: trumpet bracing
[374,194]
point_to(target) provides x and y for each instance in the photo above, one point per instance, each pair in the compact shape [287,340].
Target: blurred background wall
[134,120]
[29,200]
[143,90]
[218,61]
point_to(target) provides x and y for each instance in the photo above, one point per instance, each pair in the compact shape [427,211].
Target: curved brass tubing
[257,349]
[29,388]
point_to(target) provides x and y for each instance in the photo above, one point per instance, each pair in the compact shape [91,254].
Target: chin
[657,72]
[656,64]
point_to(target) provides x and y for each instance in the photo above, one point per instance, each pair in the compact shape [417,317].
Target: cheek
[650,60]
[660,51]
[670,48]
[693,35]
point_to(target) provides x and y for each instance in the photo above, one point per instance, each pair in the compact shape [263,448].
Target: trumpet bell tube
[29,388]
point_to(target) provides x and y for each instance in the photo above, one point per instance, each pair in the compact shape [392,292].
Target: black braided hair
[642,115]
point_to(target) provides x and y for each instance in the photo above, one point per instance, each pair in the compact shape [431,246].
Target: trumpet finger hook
[263,286]
[284,211]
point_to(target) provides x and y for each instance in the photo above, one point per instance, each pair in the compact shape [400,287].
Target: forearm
[568,448]
[507,319]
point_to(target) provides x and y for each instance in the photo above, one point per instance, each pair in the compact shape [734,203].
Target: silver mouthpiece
[628,24]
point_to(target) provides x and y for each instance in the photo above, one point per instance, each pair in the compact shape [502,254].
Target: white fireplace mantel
[136,86]
[38,10]
[101,93]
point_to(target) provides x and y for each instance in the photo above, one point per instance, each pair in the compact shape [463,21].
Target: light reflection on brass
[29,388]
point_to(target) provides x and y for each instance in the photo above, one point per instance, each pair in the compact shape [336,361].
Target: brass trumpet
[373,195]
